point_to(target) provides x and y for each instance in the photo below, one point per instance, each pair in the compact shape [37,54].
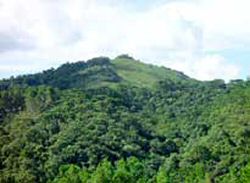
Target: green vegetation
[121,121]
[138,74]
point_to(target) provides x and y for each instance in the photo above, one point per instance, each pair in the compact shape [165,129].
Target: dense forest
[122,121]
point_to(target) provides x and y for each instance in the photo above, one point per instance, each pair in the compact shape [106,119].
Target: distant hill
[122,121]
[100,71]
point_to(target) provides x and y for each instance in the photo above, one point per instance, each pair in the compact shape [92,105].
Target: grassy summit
[139,74]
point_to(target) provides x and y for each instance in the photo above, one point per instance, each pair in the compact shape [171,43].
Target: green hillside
[100,72]
[123,121]
[139,74]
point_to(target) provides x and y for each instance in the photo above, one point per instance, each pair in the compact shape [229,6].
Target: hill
[125,121]
[99,72]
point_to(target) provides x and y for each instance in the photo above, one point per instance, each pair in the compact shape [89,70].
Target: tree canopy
[122,121]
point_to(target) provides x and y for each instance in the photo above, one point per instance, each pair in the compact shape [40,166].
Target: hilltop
[98,72]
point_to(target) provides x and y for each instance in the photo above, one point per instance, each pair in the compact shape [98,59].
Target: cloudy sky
[205,39]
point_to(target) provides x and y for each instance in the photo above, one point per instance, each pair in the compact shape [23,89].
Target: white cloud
[208,67]
[215,66]
[178,34]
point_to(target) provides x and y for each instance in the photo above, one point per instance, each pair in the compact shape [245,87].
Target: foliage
[123,121]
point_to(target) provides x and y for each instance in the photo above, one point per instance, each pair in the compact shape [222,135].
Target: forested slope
[123,121]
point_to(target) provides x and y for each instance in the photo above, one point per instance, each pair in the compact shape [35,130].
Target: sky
[205,39]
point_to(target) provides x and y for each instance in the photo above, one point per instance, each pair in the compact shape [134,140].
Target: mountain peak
[99,72]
